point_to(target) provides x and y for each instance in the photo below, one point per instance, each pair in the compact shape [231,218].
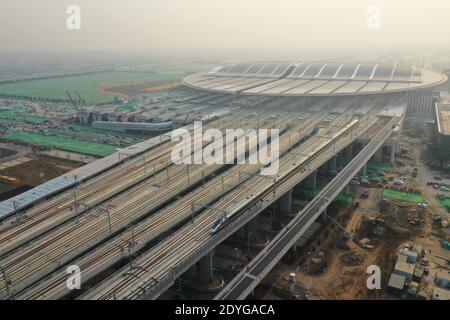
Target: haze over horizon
[285,26]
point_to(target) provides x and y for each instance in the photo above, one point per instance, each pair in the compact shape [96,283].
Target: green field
[379,167]
[310,194]
[444,202]
[88,128]
[87,85]
[402,196]
[127,107]
[67,144]
[18,113]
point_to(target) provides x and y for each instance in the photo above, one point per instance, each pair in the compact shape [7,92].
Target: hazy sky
[40,25]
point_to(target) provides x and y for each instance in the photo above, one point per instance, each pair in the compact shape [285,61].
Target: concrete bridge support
[392,154]
[311,181]
[241,233]
[378,156]
[332,164]
[323,168]
[364,170]
[285,203]
[348,152]
[205,269]
[252,230]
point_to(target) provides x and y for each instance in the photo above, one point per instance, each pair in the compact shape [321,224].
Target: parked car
[445,189]
[423,205]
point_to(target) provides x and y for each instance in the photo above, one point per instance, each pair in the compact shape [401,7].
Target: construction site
[362,181]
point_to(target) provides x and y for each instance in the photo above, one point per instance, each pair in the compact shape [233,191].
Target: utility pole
[16,210]
[9,291]
[187,172]
[130,256]
[109,218]
[132,234]
[131,246]
[167,170]
[145,166]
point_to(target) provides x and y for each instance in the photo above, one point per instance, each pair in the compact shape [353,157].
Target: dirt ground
[386,223]
[40,169]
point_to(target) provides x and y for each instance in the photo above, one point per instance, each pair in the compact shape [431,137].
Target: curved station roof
[314,78]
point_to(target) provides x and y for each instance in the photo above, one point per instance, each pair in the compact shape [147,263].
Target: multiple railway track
[158,263]
[30,263]
[126,214]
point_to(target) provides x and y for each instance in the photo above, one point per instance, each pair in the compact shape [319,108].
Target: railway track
[110,253]
[30,263]
[154,265]
[63,208]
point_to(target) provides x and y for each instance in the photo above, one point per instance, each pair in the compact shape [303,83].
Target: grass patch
[402,196]
[127,107]
[88,128]
[67,144]
[17,113]
[87,85]
[379,166]
[310,194]
[444,202]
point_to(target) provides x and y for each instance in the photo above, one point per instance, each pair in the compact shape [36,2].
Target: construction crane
[74,104]
[82,101]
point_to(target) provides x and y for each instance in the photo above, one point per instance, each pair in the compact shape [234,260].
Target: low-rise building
[440,294]
[396,283]
[402,257]
[412,289]
[442,279]
[404,269]
[418,274]
[419,250]
[411,255]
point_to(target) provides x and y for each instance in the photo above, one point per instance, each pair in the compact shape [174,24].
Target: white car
[423,205]
[445,189]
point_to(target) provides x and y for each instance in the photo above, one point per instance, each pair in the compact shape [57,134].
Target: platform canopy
[314,78]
